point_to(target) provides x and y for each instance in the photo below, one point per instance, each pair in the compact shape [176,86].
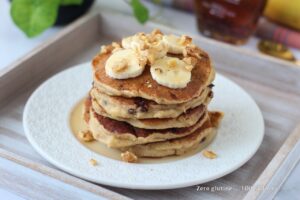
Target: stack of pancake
[144,115]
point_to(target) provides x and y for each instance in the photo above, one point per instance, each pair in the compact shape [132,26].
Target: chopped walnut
[143,44]
[185,40]
[85,136]
[190,60]
[93,162]
[209,154]
[189,67]
[193,51]
[103,49]
[116,45]
[141,34]
[106,49]
[156,32]
[129,157]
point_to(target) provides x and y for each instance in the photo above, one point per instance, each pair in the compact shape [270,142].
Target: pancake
[202,75]
[189,118]
[181,145]
[117,134]
[139,108]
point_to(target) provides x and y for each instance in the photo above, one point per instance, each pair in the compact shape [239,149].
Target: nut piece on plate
[85,136]
[93,162]
[129,157]
[209,154]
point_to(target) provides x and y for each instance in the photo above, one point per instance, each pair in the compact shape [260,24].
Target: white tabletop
[14,44]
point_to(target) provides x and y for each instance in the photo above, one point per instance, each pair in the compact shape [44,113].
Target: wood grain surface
[275,86]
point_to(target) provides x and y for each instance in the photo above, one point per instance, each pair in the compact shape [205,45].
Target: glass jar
[232,21]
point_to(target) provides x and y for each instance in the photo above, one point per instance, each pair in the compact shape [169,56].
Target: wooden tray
[275,85]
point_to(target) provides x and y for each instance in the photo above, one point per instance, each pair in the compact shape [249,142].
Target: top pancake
[202,75]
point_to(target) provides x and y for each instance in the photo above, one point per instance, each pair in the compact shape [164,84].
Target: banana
[123,64]
[153,49]
[133,42]
[171,72]
[176,44]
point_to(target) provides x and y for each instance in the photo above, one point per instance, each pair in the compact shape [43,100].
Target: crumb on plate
[85,136]
[129,157]
[93,162]
[209,154]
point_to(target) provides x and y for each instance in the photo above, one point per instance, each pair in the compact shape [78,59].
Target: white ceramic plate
[46,124]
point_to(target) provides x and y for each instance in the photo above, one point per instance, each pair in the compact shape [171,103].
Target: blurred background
[263,26]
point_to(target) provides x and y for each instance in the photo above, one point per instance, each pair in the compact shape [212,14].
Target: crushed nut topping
[209,154]
[156,32]
[103,49]
[190,60]
[116,45]
[93,162]
[150,48]
[129,157]
[141,34]
[189,67]
[85,136]
[185,40]
[192,51]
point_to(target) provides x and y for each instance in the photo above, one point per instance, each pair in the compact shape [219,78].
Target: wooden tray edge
[262,182]
[265,176]
[60,175]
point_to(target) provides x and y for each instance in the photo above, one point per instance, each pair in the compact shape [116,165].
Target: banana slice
[143,44]
[171,72]
[123,64]
[134,42]
[176,44]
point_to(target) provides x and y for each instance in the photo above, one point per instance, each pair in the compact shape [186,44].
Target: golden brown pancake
[189,118]
[202,75]
[181,145]
[119,134]
[140,108]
